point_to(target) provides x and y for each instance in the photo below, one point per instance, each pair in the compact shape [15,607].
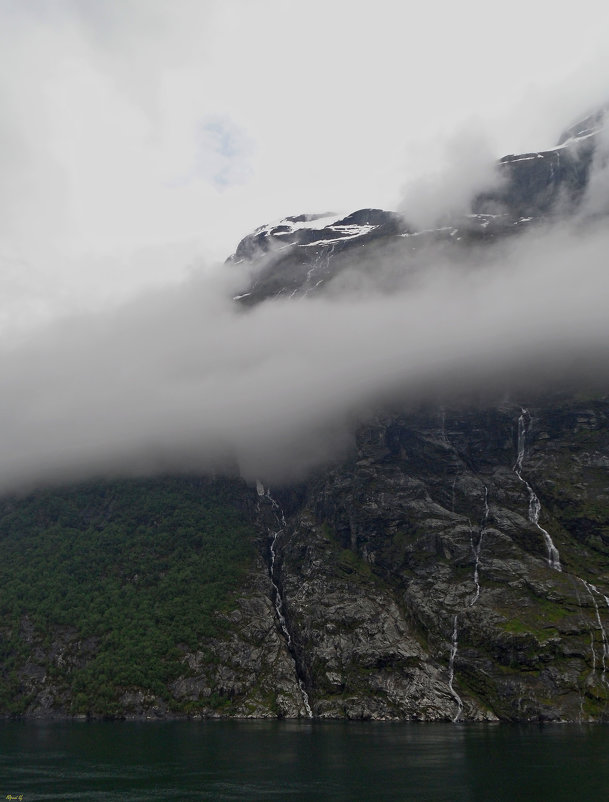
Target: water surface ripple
[225,760]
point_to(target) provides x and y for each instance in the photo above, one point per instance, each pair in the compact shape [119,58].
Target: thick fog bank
[187,380]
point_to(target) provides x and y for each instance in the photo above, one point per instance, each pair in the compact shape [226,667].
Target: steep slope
[419,580]
[413,581]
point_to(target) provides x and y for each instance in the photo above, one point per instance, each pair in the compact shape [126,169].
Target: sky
[141,139]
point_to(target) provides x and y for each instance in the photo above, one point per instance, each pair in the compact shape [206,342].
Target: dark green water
[302,761]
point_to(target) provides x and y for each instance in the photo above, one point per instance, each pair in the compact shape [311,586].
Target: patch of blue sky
[224,153]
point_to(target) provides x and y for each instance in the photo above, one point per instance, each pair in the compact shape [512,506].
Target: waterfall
[451,670]
[305,697]
[454,641]
[278,598]
[605,654]
[476,548]
[277,592]
[554,557]
[534,503]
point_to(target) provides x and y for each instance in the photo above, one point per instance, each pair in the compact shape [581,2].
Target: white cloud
[183,379]
[596,199]
[468,167]
[112,184]
[334,106]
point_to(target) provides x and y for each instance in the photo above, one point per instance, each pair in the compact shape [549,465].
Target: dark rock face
[538,184]
[548,182]
[414,581]
[310,229]
[424,543]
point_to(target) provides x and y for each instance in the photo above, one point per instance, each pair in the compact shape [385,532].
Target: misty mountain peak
[584,128]
[303,254]
[306,230]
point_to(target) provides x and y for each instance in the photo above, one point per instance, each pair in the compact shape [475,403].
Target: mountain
[301,255]
[454,566]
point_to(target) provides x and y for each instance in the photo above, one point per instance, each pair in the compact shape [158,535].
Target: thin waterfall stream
[476,547]
[278,598]
[592,590]
[454,646]
[454,639]
[534,503]
[553,555]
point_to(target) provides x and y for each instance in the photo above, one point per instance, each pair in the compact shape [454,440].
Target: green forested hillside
[104,586]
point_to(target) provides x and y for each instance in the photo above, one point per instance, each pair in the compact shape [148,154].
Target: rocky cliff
[456,567]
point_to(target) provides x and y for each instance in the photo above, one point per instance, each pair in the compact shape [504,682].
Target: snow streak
[454,645]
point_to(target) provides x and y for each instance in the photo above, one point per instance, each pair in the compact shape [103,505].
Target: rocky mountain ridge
[302,255]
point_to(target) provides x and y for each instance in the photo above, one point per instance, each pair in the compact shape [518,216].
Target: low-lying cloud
[467,167]
[185,379]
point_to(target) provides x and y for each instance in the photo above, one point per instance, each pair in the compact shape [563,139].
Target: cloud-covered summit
[188,380]
[138,135]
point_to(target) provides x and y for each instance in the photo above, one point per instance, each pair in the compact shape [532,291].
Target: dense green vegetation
[104,585]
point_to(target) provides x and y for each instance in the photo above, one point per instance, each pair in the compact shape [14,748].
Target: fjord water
[222,760]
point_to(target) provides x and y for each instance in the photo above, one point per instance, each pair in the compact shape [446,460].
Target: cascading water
[534,504]
[454,641]
[454,645]
[592,590]
[553,555]
[534,510]
[476,548]
[278,599]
